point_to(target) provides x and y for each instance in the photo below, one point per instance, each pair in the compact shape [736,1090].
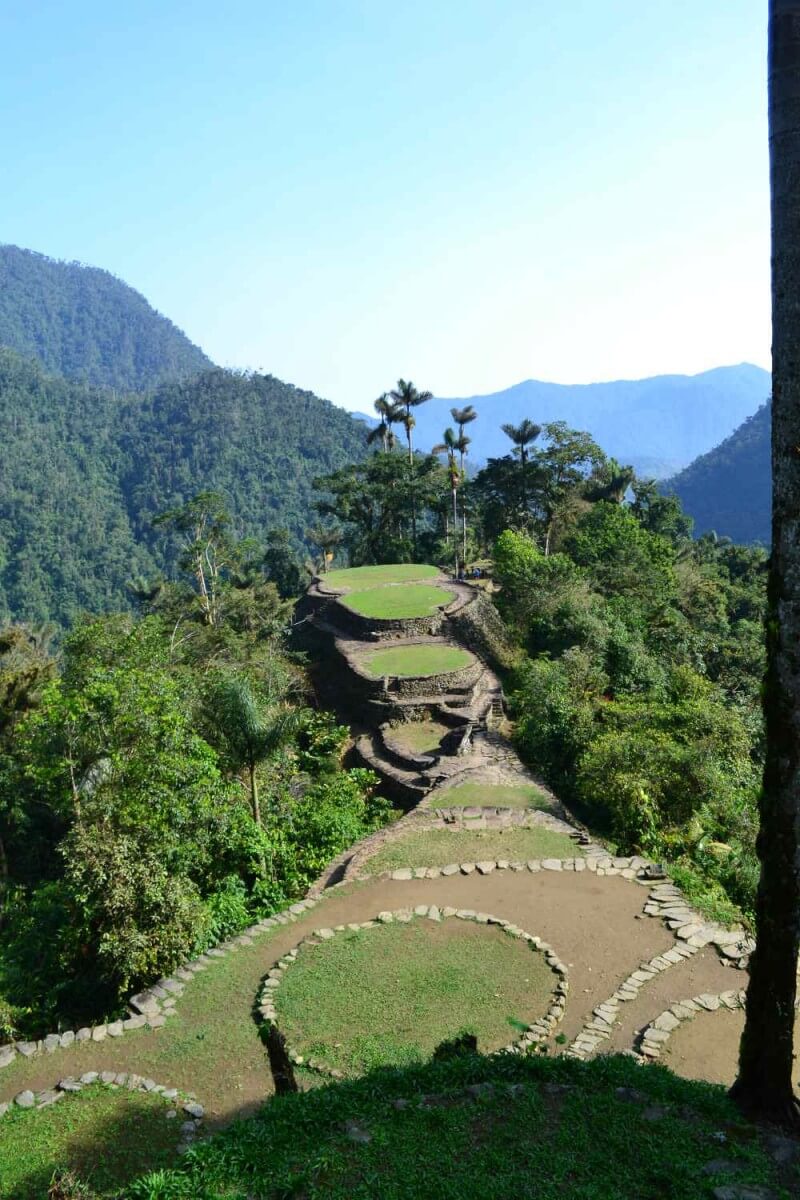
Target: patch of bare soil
[707,1047]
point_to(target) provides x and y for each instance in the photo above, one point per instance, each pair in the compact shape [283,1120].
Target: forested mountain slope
[86,324]
[729,489]
[658,425]
[83,471]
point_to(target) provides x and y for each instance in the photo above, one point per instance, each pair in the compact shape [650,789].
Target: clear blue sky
[465,192]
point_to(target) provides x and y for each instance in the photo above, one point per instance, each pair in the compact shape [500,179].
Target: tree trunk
[256,805]
[455,530]
[763,1088]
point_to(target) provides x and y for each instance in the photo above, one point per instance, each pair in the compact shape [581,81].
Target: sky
[466,193]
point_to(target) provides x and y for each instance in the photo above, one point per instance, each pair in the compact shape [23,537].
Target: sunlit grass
[416,660]
[388,996]
[376,576]
[410,600]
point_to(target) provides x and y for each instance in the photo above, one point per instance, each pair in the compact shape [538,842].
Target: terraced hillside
[484,908]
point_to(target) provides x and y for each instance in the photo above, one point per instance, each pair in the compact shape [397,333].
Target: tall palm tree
[449,446]
[763,1088]
[327,537]
[388,412]
[251,732]
[610,483]
[522,436]
[462,417]
[405,397]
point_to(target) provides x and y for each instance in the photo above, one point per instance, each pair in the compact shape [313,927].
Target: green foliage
[571,1129]
[128,838]
[87,325]
[730,488]
[328,816]
[83,473]
[640,704]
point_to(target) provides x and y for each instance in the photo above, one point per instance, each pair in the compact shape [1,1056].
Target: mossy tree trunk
[764,1086]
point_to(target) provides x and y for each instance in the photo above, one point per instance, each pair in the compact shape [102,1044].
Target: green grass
[362,577]
[211,1047]
[411,600]
[418,736]
[416,660]
[548,1129]
[435,847]
[388,996]
[501,795]
[107,1136]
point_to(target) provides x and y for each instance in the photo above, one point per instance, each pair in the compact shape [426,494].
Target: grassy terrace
[388,996]
[132,1126]
[500,795]
[435,847]
[418,736]
[432,658]
[484,1129]
[369,577]
[411,600]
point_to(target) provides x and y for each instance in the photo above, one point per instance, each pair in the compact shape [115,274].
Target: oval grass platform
[416,661]
[493,795]
[389,995]
[398,603]
[377,576]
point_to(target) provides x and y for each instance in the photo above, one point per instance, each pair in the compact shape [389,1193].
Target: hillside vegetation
[83,472]
[86,324]
[729,490]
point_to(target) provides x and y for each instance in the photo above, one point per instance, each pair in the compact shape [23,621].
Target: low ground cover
[411,600]
[435,847]
[377,576]
[501,795]
[106,1136]
[424,658]
[210,1047]
[419,736]
[389,996]
[473,1128]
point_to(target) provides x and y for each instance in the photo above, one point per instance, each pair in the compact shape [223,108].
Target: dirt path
[702,973]
[211,1046]
[707,1047]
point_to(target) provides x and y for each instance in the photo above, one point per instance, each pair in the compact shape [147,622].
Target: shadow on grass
[103,1137]
[470,1127]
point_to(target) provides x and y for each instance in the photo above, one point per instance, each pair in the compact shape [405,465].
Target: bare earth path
[211,1047]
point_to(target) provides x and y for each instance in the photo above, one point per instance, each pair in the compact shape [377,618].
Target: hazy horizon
[466,195]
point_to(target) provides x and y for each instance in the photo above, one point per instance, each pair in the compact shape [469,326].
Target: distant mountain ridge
[659,424]
[85,324]
[729,490]
[84,470]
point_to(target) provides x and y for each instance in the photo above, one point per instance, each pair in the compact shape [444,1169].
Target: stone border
[151,1008]
[657,1033]
[666,901]
[537,1032]
[187,1101]
[601,1025]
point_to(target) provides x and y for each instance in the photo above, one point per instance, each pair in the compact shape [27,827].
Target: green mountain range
[658,425]
[729,490]
[86,324]
[108,416]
